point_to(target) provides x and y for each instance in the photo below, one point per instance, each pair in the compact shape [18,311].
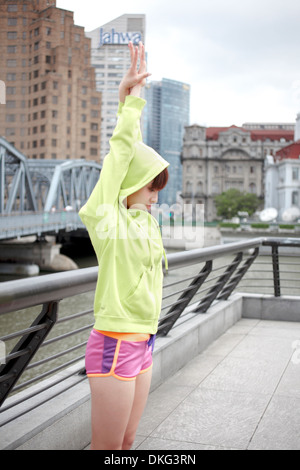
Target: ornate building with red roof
[216,159]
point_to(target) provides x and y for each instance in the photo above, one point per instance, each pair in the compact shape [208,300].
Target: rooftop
[289,152]
[212,133]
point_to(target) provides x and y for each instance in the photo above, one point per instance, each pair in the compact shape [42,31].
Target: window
[295,198]
[10,104]
[13,7]
[11,49]
[12,35]
[12,21]
[10,77]
[11,90]
[11,63]
[295,173]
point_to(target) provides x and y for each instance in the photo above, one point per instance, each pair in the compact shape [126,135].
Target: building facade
[52,107]
[168,112]
[111,59]
[283,179]
[216,159]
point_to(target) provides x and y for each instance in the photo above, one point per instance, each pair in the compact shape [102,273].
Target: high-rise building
[52,107]
[168,112]
[111,59]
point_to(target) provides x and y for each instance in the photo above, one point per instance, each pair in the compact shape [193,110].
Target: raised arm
[122,142]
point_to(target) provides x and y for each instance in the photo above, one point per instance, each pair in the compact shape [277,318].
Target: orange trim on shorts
[136,337]
[111,373]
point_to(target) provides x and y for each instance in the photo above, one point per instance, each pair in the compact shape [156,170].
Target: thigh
[112,402]
[142,388]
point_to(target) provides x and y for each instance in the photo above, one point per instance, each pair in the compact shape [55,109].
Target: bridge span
[42,196]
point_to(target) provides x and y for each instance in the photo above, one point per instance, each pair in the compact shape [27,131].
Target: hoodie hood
[145,165]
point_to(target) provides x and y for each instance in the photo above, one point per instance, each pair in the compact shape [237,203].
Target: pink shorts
[113,356]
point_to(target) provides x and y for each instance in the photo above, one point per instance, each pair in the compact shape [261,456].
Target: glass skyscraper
[168,112]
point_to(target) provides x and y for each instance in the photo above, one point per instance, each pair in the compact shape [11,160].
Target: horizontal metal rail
[212,281]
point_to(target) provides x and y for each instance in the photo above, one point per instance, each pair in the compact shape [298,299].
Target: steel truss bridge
[42,196]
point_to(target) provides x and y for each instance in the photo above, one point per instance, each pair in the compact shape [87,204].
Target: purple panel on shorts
[108,354]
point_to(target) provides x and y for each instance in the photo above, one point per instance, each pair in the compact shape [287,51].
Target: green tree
[231,202]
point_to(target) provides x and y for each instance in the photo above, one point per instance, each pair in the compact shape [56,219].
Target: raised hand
[135,78]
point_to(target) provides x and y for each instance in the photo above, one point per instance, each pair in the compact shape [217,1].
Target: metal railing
[195,280]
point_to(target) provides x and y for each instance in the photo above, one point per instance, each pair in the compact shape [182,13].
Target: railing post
[229,288]
[26,348]
[167,322]
[217,288]
[276,273]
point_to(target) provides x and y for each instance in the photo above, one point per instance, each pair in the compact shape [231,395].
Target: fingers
[133,55]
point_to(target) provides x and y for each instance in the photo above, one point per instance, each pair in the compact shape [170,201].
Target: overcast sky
[241,57]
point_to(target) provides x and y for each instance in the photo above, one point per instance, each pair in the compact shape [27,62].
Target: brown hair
[160,180]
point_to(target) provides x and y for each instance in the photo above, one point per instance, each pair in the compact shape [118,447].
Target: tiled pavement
[243,392]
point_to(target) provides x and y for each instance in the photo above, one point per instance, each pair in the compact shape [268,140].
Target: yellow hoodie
[127,242]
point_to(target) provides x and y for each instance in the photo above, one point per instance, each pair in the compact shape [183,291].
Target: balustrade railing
[57,335]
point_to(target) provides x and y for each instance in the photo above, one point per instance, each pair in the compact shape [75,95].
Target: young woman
[129,249]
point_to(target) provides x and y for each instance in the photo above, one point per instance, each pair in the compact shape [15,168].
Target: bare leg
[142,387]
[112,402]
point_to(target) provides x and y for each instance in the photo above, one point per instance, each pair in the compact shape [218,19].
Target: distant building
[111,59]
[216,159]
[283,179]
[52,107]
[168,112]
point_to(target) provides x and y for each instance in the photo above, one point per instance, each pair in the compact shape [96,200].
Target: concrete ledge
[267,307]
[63,423]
